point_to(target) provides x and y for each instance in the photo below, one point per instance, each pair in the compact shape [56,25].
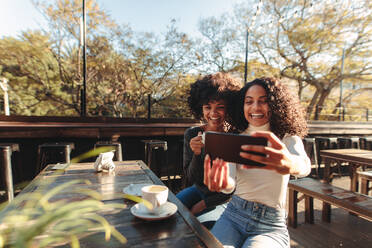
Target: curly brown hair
[287,114]
[213,87]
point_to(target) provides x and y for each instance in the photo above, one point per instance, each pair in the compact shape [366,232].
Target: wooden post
[309,209]
[364,185]
[292,208]
[326,212]
[4,87]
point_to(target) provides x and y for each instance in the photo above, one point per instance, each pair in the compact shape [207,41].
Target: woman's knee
[189,196]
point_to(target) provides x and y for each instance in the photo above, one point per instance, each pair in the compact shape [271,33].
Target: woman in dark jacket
[209,100]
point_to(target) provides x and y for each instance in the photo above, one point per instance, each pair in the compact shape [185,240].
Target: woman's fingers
[196,139]
[207,162]
[277,156]
[219,175]
[215,177]
[271,138]
[214,174]
[220,178]
[225,177]
[196,144]
[270,155]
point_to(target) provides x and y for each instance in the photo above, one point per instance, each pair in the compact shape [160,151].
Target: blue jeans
[192,195]
[251,224]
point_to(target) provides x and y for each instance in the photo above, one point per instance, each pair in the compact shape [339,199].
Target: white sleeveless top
[266,186]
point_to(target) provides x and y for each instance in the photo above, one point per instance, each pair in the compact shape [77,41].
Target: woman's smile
[256,107]
[214,113]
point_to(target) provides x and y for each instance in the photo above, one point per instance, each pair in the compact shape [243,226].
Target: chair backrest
[118,154]
[54,152]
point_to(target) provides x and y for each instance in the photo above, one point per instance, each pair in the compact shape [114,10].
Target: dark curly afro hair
[219,86]
[287,114]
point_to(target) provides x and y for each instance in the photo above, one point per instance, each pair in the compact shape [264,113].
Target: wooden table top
[180,230]
[350,155]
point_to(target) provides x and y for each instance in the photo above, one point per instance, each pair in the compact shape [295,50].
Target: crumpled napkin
[104,162]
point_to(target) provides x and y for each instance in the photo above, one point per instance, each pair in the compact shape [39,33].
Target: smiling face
[256,107]
[214,113]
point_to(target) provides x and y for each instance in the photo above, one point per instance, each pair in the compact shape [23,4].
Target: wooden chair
[365,179]
[366,143]
[324,143]
[6,168]
[155,156]
[310,148]
[51,153]
[175,166]
[18,174]
[118,156]
[348,142]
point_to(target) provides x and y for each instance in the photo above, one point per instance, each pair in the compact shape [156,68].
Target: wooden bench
[353,202]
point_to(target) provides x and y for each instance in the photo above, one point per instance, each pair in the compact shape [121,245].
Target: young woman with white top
[256,215]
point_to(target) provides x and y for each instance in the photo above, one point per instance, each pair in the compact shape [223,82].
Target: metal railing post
[316,116]
[343,113]
[367,113]
[149,106]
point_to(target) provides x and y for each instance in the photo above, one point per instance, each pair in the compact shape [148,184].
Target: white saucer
[140,211]
[134,189]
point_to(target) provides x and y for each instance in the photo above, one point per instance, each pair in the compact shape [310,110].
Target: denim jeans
[192,195]
[251,224]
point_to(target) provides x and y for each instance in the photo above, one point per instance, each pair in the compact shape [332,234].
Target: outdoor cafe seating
[169,157]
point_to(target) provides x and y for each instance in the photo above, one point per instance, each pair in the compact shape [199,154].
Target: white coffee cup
[202,137]
[157,195]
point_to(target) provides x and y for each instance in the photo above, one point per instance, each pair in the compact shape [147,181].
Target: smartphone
[228,146]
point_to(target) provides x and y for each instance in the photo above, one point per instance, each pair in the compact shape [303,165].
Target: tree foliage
[300,41]
[306,40]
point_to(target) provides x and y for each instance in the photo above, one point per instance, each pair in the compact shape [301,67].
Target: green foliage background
[299,41]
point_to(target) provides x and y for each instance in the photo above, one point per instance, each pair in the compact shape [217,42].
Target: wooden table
[354,157]
[180,230]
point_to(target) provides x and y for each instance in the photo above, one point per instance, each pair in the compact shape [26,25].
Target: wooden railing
[29,132]
[108,127]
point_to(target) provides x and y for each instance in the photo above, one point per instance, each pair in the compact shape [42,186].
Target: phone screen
[227,146]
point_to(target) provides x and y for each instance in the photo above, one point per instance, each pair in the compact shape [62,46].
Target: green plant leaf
[92,153]
[139,200]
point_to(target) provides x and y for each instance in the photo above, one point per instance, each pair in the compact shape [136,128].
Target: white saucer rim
[145,216]
[134,184]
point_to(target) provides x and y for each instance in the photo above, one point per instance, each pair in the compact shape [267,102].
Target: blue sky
[142,15]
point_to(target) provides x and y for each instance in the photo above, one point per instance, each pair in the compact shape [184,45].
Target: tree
[216,50]
[123,67]
[43,67]
[33,76]
[155,66]
[305,41]
[64,18]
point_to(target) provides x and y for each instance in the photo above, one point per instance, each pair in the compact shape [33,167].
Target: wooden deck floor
[345,230]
